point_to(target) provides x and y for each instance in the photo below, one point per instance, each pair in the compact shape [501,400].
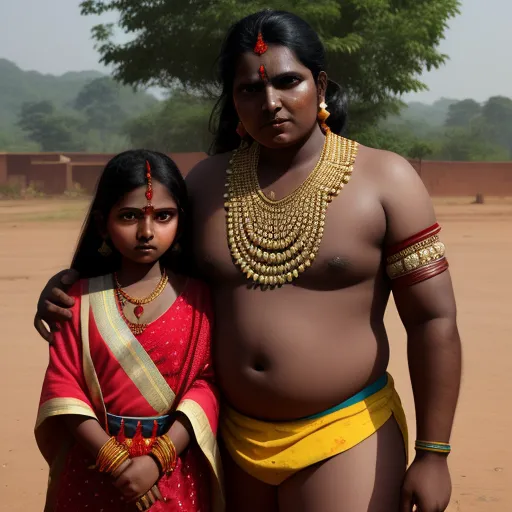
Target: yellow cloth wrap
[272,452]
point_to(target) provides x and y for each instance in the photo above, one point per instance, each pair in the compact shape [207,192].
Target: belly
[292,352]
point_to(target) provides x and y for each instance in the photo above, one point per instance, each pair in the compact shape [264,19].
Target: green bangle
[432,446]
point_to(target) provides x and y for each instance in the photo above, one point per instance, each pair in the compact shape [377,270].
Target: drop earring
[323,114]
[240,129]
[105,249]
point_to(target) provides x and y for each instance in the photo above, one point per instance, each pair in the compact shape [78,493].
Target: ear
[321,86]
[100,224]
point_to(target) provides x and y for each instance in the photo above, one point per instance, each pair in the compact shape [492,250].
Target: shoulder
[401,192]
[385,168]
[207,172]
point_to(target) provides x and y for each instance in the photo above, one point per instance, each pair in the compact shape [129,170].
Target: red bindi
[149,186]
[263,73]
[261,47]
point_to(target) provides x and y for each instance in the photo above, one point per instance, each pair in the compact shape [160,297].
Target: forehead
[277,59]
[137,197]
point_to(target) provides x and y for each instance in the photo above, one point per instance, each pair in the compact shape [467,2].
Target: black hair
[280,28]
[122,174]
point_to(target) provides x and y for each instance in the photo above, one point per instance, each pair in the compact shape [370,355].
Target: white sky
[50,36]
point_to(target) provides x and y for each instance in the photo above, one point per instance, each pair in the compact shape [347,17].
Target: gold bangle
[111,455]
[165,451]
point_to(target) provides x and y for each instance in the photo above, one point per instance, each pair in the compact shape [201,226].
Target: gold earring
[240,129]
[105,249]
[323,114]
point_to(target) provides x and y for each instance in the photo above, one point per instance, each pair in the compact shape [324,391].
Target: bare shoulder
[386,168]
[208,174]
[403,196]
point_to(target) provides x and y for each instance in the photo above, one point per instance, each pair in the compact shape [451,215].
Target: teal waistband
[358,397]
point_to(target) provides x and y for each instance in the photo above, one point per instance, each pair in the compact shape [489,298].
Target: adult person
[302,235]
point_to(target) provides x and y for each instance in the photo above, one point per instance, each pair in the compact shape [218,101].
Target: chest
[349,250]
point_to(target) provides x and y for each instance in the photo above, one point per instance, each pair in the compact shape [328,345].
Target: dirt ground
[37,238]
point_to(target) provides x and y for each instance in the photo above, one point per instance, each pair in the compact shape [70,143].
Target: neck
[305,151]
[132,272]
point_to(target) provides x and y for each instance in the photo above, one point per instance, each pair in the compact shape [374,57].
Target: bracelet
[165,452]
[111,455]
[146,501]
[429,446]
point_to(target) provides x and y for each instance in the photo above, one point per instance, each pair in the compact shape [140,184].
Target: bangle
[165,452]
[111,455]
[433,446]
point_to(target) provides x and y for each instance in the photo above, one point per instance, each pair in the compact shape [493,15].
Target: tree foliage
[376,49]
[54,131]
[179,124]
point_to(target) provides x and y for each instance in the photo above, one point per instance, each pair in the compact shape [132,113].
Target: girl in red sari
[128,412]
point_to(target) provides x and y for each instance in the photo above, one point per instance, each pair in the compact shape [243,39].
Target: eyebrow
[278,77]
[162,208]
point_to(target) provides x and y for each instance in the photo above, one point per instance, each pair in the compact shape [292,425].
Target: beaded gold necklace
[271,241]
[139,303]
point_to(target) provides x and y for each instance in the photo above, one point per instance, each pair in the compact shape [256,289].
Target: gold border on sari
[129,353]
[208,443]
[61,406]
[90,375]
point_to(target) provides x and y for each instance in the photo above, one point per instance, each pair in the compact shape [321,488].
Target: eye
[128,216]
[164,216]
[288,81]
[251,88]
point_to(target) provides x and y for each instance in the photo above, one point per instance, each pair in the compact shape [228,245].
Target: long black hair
[280,28]
[123,173]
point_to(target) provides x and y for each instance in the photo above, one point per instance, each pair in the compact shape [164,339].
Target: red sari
[98,366]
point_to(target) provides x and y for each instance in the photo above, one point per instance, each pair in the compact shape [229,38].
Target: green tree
[52,130]
[177,125]
[376,49]
[466,144]
[99,100]
[462,113]
[419,150]
[497,114]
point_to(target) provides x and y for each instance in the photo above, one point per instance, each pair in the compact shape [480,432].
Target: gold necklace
[273,242]
[138,311]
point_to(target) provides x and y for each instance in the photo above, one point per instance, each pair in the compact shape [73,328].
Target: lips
[145,248]
[278,121]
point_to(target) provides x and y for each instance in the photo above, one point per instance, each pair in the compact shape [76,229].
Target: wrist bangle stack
[432,446]
[165,452]
[111,455]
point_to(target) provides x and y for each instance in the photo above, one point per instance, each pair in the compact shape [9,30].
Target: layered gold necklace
[271,241]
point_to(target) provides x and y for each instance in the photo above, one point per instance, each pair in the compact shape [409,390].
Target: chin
[144,259]
[281,140]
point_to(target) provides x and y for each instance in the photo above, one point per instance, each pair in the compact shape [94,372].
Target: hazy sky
[50,36]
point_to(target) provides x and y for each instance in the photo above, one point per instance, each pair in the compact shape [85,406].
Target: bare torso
[300,349]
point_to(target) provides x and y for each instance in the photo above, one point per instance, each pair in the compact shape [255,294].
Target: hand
[427,484]
[138,477]
[53,303]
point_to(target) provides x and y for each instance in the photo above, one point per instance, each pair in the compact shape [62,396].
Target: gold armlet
[416,259]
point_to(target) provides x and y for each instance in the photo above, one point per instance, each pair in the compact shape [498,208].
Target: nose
[272,101]
[145,231]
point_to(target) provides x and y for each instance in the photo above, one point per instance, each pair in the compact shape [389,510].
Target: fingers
[406,501]
[55,313]
[69,277]
[59,296]
[41,328]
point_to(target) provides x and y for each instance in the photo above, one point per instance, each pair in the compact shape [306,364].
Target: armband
[418,258]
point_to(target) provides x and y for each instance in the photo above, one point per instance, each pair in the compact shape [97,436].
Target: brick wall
[53,171]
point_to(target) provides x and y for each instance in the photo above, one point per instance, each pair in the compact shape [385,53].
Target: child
[128,412]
